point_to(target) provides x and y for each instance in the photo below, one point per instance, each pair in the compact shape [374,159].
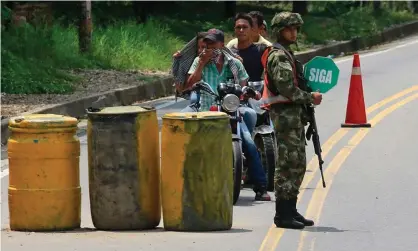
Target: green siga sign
[322,74]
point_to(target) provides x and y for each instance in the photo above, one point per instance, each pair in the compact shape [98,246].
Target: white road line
[377,52]
[5,172]
[4,163]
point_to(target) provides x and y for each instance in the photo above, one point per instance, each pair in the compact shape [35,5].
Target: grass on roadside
[34,59]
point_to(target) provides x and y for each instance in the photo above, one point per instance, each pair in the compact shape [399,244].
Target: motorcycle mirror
[222,89]
[237,90]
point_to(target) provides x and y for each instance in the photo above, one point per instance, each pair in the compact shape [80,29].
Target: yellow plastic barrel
[196,171]
[44,182]
[124,159]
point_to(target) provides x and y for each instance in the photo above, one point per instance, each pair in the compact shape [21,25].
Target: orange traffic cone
[356,110]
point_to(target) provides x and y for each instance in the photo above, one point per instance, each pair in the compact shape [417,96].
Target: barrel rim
[98,111]
[195,116]
[40,121]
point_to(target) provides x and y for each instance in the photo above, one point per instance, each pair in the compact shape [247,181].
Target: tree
[143,9]
[300,7]
[414,6]
[358,3]
[85,27]
[230,8]
[376,5]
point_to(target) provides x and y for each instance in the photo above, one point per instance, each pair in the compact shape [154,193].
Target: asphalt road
[372,178]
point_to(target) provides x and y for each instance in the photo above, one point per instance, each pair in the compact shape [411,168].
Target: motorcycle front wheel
[266,148]
[237,169]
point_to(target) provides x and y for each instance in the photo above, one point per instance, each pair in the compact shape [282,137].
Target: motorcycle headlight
[230,103]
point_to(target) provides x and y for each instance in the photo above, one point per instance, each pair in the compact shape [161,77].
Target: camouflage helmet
[283,19]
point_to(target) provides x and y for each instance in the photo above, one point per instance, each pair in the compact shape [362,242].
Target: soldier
[287,97]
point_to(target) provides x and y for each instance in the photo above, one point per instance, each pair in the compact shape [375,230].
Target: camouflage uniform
[289,120]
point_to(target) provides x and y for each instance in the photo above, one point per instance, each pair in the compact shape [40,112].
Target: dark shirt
[252,60]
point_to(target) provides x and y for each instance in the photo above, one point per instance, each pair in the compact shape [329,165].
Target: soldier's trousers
[291,163]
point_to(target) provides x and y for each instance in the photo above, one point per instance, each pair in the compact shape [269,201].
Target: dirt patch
[93,82]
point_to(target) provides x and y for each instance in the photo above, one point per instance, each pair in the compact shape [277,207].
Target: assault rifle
[312,131]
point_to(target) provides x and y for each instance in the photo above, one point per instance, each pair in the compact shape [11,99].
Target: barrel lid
[41,121]
[114,110]
[195,115]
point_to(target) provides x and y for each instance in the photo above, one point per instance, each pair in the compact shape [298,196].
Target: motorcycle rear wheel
[267,150]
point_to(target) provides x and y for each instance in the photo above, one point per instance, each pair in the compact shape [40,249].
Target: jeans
[194,97]
[255,167]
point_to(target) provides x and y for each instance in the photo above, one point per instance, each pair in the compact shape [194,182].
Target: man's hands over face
[205,56]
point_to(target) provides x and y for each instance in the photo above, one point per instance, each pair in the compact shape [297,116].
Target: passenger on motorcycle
[193,49]
[215,65]
[257,36]
[182,61]
[251,54]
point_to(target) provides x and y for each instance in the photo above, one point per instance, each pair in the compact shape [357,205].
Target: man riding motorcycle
[215,65]
[251,54]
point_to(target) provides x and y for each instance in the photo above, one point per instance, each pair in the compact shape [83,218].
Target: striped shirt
[211,75]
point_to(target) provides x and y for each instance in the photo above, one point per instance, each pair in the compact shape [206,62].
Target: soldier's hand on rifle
[317,98]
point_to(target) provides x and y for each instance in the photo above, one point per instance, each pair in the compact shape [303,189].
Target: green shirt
[211,76]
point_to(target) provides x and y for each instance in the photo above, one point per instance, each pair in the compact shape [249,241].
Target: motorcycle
[227,101]
[264,138]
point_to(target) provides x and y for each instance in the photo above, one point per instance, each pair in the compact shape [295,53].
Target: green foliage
[126,45]
[36,60]
[355,22]
[32,63]
[6,14]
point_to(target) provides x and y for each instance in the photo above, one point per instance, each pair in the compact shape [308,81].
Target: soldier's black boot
[284,217]
[297,216]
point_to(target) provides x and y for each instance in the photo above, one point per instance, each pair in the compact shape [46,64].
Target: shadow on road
[79,230]
[160,229]
[324,229]
[232,231]
[75,231]
[308,188]
[148,231]
[246,201]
